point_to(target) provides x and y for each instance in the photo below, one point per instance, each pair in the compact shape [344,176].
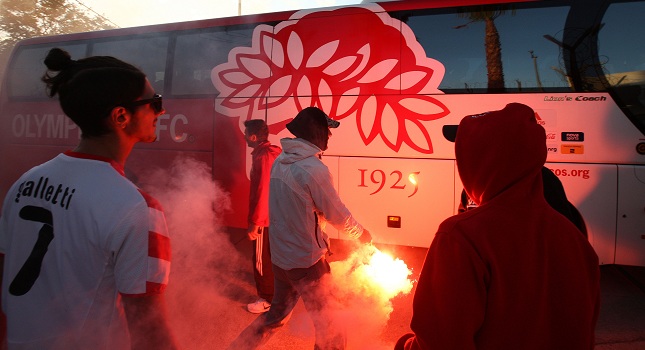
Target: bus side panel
[155,170]
[401,201]
[16,159]
[37,123]
[333,164]
[592,189]
[630,244]
[32,133]
[186,126]
[231,167]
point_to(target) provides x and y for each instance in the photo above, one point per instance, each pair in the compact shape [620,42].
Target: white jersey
[76,235]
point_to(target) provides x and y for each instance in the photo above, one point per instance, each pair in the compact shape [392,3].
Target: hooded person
[302,200]
[552,186]
[511,273]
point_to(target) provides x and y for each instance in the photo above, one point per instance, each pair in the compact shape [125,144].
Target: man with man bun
[85,253]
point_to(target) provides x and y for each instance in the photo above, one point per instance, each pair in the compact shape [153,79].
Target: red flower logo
[351,62]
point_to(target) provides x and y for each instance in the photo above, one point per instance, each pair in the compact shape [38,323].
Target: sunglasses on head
[155,102]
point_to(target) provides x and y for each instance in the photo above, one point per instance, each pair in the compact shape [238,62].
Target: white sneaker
[259,306]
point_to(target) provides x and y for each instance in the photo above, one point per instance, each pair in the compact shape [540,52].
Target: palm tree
[494,66]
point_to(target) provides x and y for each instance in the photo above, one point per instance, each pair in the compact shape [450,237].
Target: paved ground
[208,307]
[622,313]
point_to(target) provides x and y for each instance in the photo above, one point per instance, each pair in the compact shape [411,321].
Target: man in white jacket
[302,199]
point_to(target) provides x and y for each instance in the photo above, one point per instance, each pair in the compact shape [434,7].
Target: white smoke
[363,298]
[211,282]
[209,278]
[366,282]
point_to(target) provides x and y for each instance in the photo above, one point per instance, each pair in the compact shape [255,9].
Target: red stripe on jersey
[151,201]
[158,246]
[154,288]
[151,289]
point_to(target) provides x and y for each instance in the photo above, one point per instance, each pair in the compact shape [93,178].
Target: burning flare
[371,273]
[388,273]
[365,284]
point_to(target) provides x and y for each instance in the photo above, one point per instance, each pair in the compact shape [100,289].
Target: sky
[128,13]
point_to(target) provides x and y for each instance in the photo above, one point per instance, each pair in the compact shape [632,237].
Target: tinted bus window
[28,67]
[457,39]
[621,49]
[196,53]
[148,54]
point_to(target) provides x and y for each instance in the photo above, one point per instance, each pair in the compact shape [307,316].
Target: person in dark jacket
[512,273]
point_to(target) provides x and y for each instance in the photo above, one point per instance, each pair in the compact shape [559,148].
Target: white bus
[393,73]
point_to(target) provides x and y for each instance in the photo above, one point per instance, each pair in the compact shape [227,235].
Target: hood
[296,149]
[266,146]
[500,151]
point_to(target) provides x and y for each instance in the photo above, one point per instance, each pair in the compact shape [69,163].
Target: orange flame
[368,280]
[375,273]
[390,274]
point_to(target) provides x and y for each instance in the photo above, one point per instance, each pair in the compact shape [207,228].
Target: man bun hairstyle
[58,60]
[89,88]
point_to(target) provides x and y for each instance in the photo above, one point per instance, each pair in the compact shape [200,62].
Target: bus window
[622,51]
[148,54]
[529,61]
[198,52]
[28,67]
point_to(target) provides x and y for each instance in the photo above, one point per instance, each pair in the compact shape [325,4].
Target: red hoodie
[262,160]
[512,273]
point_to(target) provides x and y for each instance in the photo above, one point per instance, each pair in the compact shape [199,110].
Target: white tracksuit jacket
[302,198]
